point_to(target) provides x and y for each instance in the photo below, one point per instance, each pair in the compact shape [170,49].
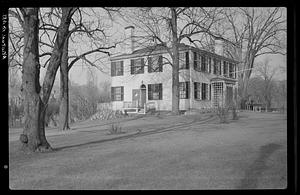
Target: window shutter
[202,91]
[113,69]
[131,66]
[195,90]
[112,93]
[160,62]
[224,68]
[214,65]
[209,64]
[149,92]
[122,93]
[122,67]
[205,91]
[195,60]
[187,60]
[142,64]
[235,69]
[209,96]
[202,63]
[160,91]
[149,64]
[205,63]
[187,90]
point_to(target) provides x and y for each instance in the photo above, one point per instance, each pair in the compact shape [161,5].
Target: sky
[80,74]
[81,71]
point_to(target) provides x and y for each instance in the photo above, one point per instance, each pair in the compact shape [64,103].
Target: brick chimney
[219,47]
[129,39]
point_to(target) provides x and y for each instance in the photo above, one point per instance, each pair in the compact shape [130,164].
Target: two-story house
[143,77]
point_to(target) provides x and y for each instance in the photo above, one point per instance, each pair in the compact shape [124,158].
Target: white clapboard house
[142,78]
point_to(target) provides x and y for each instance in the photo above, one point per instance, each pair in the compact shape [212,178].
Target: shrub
[234,113]
[222,113]
[115,129]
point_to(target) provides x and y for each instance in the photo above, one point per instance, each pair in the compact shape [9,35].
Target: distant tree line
[83,104]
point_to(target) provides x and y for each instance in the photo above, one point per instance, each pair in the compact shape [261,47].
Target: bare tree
[267,75]
[281,94]
[253,32]
[36,97]
[93,34]
[88,34]
[168,28]
[86,27]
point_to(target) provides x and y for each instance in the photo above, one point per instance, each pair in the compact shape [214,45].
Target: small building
[257,107]
[142,78]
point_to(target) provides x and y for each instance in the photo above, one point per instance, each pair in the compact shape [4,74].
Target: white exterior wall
[130,82]
[134,81]
[202,77]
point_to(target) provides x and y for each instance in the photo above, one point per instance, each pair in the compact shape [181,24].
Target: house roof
[159,48]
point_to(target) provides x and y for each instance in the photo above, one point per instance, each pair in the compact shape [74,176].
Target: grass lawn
[159,152]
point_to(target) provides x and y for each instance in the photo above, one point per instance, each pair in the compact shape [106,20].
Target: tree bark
[33,137]
[175,59]
[35,99]
[64,91]
[246,76]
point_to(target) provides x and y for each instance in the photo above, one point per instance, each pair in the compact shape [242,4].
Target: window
[225,68]
[197,90]
[209,65]
[155,91]
[201,62]
[155,64]
[117,93]
[117,68]
[231,71]
[184,60]
[137,66]
[205,92]
[184,90]
[201,91]
[217,66]
[196,61]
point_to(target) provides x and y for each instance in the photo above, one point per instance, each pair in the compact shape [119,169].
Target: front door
[135,97]
[143,98]
[229,96]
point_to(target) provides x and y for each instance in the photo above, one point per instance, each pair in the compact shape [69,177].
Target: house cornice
[164,51]
[222,78]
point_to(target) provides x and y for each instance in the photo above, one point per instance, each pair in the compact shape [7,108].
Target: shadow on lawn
[253,173]
[109,123]
[140,133]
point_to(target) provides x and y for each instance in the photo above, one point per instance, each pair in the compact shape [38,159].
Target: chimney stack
[219,47]
[129,39]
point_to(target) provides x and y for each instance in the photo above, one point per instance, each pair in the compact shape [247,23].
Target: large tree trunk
[175,68]
[33,137]
[35,99]
[64,91]
[245,77]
